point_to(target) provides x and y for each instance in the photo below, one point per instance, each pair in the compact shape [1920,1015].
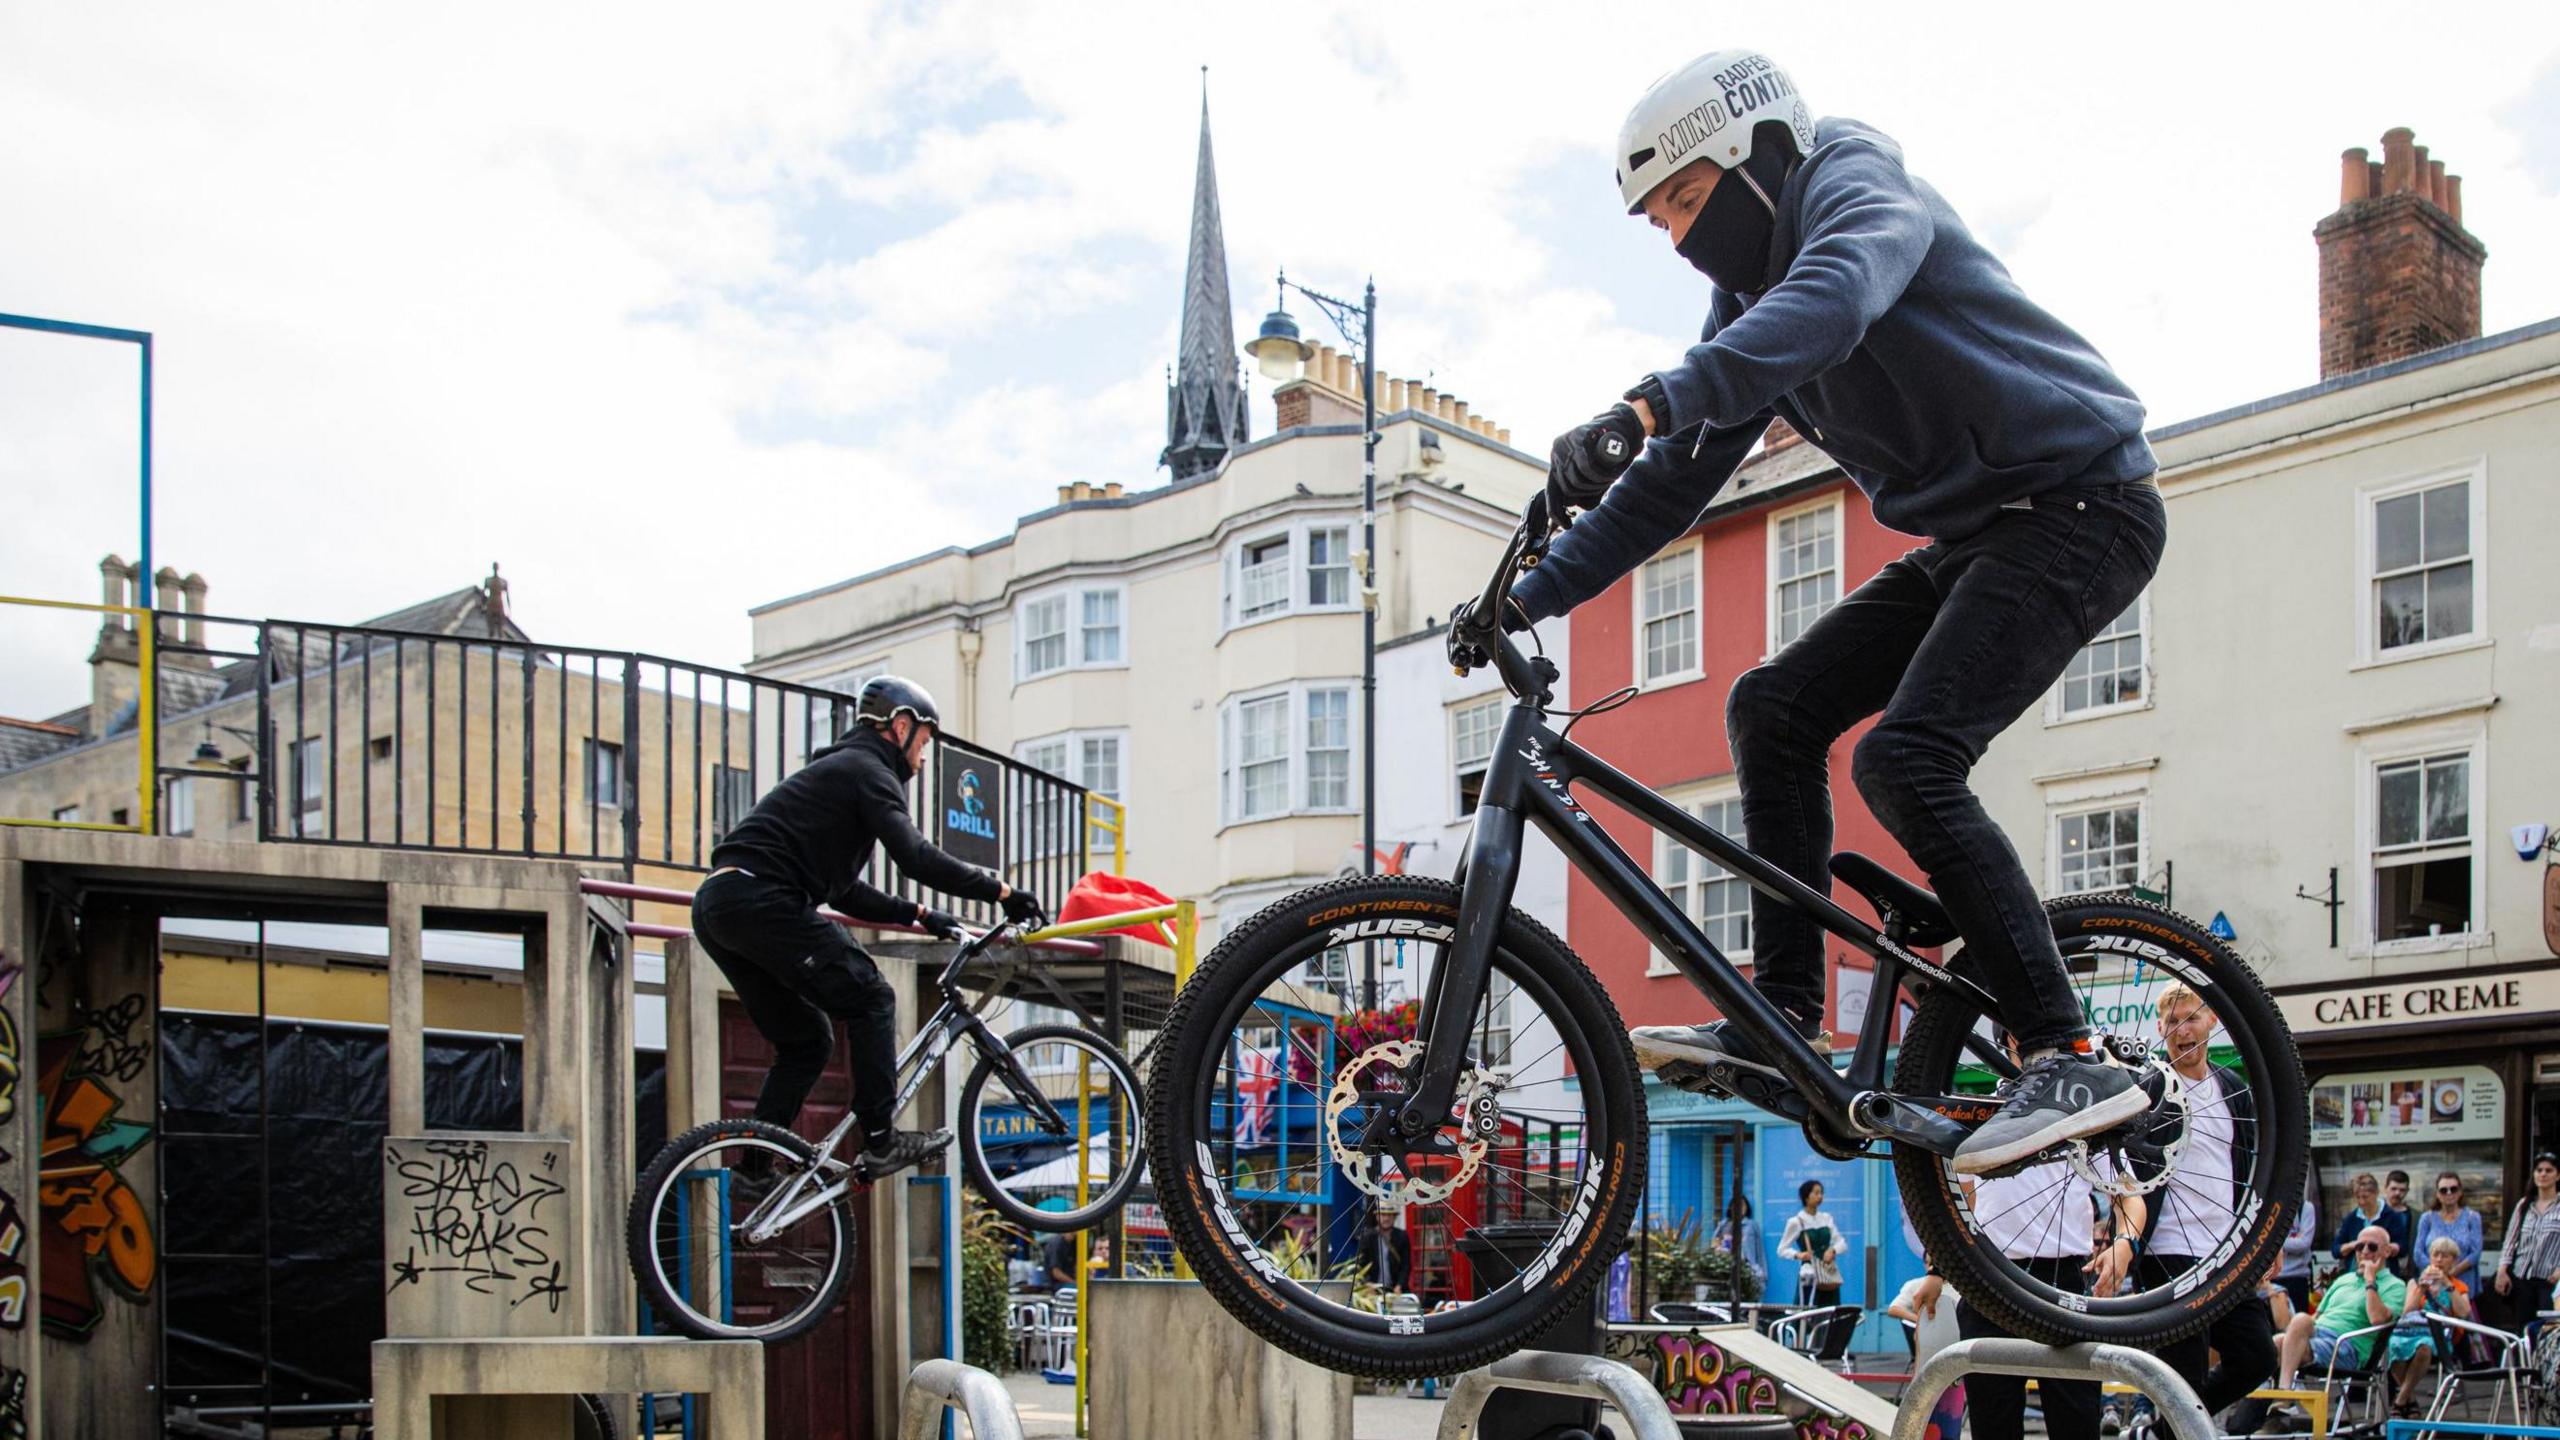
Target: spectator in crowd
[2413,1344]
[1058,1262]
[2294,1271]
[1813,1240]
[2530,1260]
[2190,1216]
[2395,1206]
[1738,1235]
[2364,1295]
[2367,1209]
[2451,1219]
[1387,1251]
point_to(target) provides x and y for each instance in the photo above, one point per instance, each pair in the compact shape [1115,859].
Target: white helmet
[1705,110]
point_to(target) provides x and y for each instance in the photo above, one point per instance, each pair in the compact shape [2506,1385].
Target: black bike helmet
[886,697]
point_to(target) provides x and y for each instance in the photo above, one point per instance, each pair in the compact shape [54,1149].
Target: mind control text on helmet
[1744,87]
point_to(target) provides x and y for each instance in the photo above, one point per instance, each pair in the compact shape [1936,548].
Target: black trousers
[798,974]
[2235,1355]
[1951,642]
[1998,1403]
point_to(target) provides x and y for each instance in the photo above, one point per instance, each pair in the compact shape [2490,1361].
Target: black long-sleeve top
[817,828]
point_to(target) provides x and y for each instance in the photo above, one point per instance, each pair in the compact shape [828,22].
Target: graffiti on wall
[95,1228]
[459,1210]
[1696,1376]
[13,1403]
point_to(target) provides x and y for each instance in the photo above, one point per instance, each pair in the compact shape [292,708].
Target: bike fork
[1490,874]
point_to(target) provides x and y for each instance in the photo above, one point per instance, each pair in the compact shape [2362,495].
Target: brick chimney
[2399,276]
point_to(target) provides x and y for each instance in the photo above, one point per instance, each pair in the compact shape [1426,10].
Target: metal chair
[1029,1322]
[2367,1381]
[1808,1332]
[2470,1354]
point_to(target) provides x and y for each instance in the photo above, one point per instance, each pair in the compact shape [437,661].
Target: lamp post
[1279,351]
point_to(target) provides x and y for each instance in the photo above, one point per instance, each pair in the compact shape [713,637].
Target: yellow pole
[146,724]
[1084,1238]
[1186,952]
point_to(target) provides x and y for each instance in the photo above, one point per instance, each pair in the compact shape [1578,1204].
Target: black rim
[1578,1212]
[1125,1131]
[2119,976]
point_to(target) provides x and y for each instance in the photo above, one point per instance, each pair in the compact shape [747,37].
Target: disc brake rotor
[2141,1160]
[1476,1110]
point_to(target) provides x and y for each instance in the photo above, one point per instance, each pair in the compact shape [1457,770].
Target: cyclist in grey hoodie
[1852,302]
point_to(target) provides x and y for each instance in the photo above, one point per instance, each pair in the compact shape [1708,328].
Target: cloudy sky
[670,317]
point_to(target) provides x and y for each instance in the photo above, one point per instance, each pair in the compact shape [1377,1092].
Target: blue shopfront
[1704,1151]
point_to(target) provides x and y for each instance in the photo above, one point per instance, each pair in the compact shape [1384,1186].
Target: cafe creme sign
[2426,1000]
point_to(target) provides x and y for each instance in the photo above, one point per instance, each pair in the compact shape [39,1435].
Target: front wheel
[2212,1173]
[1047,1084]
[1267,1087]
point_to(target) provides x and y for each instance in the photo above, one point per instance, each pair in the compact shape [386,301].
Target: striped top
[2533,1239]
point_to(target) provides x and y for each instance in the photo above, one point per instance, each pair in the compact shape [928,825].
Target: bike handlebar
[1482,630]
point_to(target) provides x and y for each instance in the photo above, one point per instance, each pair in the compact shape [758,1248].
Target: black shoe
[896,1150]
[2062,1096]
[750,1180]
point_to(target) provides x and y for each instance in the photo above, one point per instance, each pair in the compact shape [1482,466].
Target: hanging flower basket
[1360,1029]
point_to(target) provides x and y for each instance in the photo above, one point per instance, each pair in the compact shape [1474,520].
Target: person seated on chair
[2357,1299]
[2413,1341]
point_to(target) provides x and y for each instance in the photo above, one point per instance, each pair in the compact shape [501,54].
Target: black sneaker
[887,1154]
[1690,1056]
[2062,1096]
[750,1180]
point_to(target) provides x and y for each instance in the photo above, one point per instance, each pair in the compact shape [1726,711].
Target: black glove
[1024,909]
[942,924]
[1589,458]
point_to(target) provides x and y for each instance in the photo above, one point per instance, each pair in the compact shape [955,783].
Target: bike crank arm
[1923,1124]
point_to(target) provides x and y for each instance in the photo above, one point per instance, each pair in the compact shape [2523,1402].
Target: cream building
[2338,700]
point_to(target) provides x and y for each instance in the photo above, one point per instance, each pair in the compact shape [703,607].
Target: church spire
[1204,406]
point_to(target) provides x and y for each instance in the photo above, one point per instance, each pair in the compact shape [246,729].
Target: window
[604,773]
[2422,566]
[1090,758]
[312,768]
[1667,612]
[2422,849]
[733,794]
[1493,1028]
[1285,752]
[1328,749]
[1329,567]
[1071,630]
[1329,972]
[1262,733]
[850,682]
[1044,637]
[378,748]
[1101,627]
[1265,578]
[2107,674]
[1098,766]
[1041,810]
[1704,891]
[1047,755]
[1804,570]
[1472,731]
[178,817]
[244,802]
[67,815]
[2098,849]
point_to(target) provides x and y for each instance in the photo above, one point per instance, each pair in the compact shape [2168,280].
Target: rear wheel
[1264,1088]
[704,1250]
[2216,1165]
[1089,1085]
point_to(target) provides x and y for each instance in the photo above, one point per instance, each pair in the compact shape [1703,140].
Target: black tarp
[320,1244]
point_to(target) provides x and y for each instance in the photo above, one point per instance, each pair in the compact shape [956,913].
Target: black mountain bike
[1514,1036]
[740,1229]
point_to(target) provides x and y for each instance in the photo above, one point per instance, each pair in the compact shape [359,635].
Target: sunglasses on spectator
[2448,1189]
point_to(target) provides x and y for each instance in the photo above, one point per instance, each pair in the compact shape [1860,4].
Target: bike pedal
[1696,1079]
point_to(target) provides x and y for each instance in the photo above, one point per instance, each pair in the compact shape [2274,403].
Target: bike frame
[1531,781]
[955,1017]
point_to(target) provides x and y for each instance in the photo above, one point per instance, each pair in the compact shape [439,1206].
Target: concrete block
[1168,1364]
[408,1375]
[475,1232]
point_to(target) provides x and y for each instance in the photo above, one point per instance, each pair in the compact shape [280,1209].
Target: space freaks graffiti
[95,1228]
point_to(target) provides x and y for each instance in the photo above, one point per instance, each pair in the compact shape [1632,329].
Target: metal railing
[936,1386]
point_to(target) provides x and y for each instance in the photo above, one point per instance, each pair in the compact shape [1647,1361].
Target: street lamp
[1279,351]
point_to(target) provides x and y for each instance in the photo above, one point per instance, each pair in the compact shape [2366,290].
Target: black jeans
[1998,1403]
[1952,642]
[797,974]
[2240,1348]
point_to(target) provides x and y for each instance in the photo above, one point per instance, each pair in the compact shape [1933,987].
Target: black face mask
[1729,241]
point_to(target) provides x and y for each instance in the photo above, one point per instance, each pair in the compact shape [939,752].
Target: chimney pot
[2352,182]
[1430,401]
[1066,494]
[1395,395]
[2435,185]
[1322,370]
[1458,411]
[2453,197]
[2399,159]
[1111,491]
[2418,172]
[1503,435]
[194,587]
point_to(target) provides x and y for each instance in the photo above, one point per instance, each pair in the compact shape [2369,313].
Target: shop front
[2455,1070]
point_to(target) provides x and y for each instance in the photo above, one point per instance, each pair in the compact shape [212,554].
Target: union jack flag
[1257,1096]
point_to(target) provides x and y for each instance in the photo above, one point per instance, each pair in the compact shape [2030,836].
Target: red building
[1787,538]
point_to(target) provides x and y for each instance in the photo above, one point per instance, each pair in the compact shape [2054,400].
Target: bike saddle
[1924,920]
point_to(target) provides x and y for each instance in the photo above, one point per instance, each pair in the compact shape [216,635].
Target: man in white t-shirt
[2045,1218]
[2195,1212]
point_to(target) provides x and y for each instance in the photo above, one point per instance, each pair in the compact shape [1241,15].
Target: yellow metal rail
[146,721]
[1116,823]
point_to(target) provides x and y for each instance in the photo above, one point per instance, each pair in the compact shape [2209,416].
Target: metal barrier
[938,1385]
[2178,1408]
[1554,1374]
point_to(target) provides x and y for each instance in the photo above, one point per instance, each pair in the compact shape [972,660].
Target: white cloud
[596,293]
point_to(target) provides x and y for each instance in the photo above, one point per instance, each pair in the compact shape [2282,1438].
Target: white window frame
[1835,503]
[311,789]
[2055,714]
[1297,571]
[2466,735]
[1293,752]
[1072,768]
[2139,802]
[850,681]
[178,810]
[1693,550]
[2368,641]
[66,815]
[1072,630]
[1462,765]
[1695,802]
[2080,792]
